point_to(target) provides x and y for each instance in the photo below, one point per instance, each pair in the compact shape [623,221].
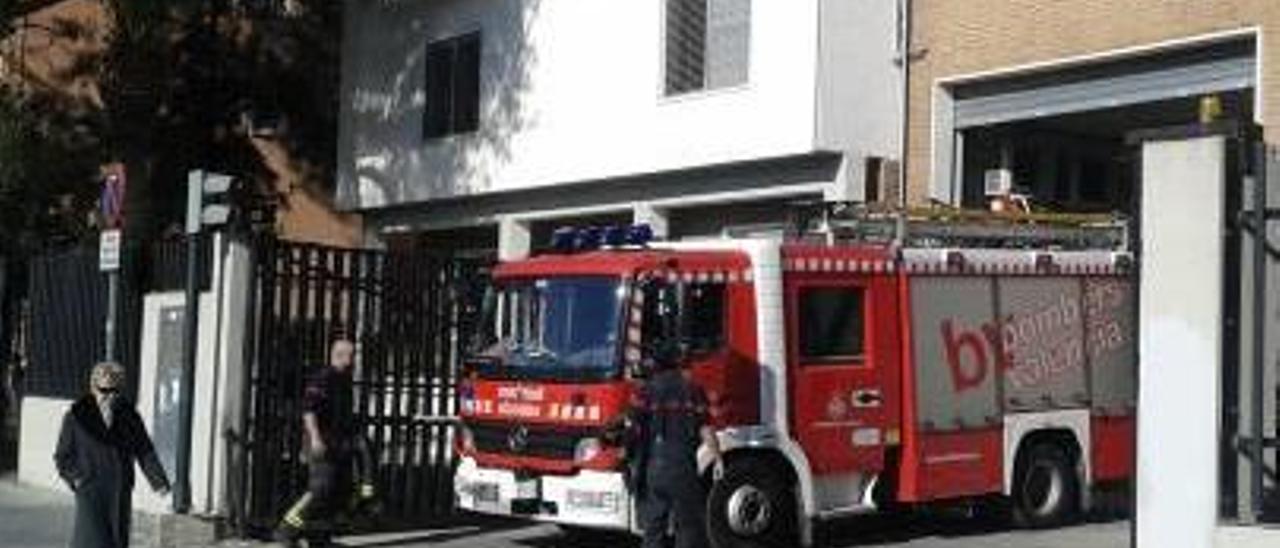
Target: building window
[453,86]
[831,323]
[707,44]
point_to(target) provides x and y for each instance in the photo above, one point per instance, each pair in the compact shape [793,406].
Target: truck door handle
[867,398]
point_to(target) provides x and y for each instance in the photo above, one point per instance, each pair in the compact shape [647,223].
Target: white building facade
[507,118]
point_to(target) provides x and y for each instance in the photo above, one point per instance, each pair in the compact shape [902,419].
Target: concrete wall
[859,86]
[42,417]
[975,36]
[38,436]
[203,420]
[571,90]
[219,387]
[1180,342]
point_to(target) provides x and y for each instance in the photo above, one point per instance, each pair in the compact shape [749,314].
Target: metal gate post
[1258,152]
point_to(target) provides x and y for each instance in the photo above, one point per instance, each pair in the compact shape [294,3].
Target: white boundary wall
[1180,342]
[1181,350]
[218,390]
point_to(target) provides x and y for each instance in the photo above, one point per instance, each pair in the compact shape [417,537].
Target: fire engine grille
[515,439]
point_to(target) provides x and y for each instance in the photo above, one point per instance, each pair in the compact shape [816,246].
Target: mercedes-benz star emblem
[518,439]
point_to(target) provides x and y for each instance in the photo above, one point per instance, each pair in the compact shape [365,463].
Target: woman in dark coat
[102,435]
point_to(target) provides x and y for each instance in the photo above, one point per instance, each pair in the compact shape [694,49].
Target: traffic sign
[109,250]
[111,200]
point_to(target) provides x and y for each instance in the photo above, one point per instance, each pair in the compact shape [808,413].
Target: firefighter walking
[670,422]
[333,446]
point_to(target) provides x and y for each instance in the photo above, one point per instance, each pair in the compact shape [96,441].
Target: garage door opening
[1077,162]
[1057,134]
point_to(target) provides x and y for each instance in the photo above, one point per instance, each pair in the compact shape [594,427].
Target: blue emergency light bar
[568,239]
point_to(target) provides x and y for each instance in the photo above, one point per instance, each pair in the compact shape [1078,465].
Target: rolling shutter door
[989,104]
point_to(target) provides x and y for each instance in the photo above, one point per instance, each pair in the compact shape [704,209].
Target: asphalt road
[35,518]
[921,531]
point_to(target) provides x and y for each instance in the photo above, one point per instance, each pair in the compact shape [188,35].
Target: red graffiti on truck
[1033,348]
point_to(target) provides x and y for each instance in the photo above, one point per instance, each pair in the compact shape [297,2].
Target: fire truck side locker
[1005,355]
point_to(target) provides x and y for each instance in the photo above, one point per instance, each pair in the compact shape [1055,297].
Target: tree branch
[23,8]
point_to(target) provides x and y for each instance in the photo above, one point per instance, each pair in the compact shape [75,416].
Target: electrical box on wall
[997,182]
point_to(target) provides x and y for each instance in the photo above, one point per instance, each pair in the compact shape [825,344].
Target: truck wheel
[1046,491]
[752,507]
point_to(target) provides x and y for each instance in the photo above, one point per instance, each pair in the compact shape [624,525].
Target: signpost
[109,250]
[110,244]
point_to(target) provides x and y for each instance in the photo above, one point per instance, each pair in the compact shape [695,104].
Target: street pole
[186,391]
[113,309]
[200,185]
[110,252]
[1258,375]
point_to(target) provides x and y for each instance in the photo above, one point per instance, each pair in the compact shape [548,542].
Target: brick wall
[971,36]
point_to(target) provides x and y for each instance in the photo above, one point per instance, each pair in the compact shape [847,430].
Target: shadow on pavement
[458,528]
[892,529]
[558,538]
[8,448]
[871,530]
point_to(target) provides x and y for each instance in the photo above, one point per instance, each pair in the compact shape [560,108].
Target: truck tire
[753,506]
[1046,490]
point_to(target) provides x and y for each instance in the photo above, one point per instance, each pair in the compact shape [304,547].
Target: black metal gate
[409,313]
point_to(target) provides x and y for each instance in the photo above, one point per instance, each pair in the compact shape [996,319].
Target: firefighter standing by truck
[333,447]
[670,419]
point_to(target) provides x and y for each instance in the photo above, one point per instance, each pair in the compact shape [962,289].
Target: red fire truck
[894,360]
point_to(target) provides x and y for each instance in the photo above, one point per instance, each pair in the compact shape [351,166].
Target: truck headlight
[587,449]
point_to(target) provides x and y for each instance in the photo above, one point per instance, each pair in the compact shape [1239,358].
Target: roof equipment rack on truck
[934,227]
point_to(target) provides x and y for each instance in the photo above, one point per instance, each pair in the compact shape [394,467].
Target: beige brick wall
[971,36]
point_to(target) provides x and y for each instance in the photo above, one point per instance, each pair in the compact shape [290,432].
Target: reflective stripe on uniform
[293,517]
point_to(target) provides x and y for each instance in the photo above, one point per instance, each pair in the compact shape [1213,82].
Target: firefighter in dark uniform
[669,421]
[333,443]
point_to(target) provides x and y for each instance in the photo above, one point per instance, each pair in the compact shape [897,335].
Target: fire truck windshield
[548,328]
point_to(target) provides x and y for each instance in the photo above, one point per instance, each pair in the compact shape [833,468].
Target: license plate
[528,489]
[485,492]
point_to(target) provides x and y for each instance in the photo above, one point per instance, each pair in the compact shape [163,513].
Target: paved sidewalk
[33,518]
[40,518]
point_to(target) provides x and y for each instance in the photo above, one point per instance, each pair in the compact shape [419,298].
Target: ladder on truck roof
[939,227]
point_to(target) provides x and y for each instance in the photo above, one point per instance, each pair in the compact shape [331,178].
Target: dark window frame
[649,329]
[719,340]
[451,86]
[804,331]
[687,57]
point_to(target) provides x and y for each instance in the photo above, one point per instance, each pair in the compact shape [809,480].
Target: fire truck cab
[845,375]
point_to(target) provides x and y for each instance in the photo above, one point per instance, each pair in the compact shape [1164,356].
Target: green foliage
[47,164]
[9,17]
[176,79]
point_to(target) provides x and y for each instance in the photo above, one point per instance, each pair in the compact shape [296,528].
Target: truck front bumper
[586,499]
